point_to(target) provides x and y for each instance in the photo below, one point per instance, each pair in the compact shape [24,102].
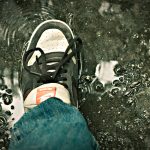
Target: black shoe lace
[42,67]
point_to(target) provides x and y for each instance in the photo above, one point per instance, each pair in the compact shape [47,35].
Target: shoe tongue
[51,41]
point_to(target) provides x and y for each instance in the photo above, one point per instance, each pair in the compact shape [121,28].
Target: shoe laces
[43,66]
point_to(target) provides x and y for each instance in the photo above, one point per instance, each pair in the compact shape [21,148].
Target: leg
[52,125]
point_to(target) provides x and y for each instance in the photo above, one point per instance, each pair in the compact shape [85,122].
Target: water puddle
[115,83]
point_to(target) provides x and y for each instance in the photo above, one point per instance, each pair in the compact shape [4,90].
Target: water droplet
[99,87]
[98,33]
[9,91]
[147,83]
[7,99]
[135,84]
[12,107]
[130,102]
[115,91]
[129,92]
[8,113]
[136,76]
[116,83]
[118,124]
[119,70]
[121,79]
[3,122]
[3,87]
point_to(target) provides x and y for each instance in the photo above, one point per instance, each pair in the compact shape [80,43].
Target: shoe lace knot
[50,70]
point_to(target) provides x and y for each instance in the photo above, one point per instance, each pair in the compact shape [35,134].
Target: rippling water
[115,83]
[18,20]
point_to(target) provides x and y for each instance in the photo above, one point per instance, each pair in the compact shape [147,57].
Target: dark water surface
[116,37]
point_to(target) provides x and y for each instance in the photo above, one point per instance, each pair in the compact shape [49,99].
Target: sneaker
[52,56]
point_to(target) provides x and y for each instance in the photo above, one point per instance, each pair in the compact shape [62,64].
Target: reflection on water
[10,99]
[18,20]
[116,38]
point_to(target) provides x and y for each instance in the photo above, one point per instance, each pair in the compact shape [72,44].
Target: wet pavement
[115,83]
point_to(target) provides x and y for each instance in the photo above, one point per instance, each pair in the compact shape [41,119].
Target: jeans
[52,125]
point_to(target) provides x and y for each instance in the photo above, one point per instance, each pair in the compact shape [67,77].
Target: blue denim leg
[53,125]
